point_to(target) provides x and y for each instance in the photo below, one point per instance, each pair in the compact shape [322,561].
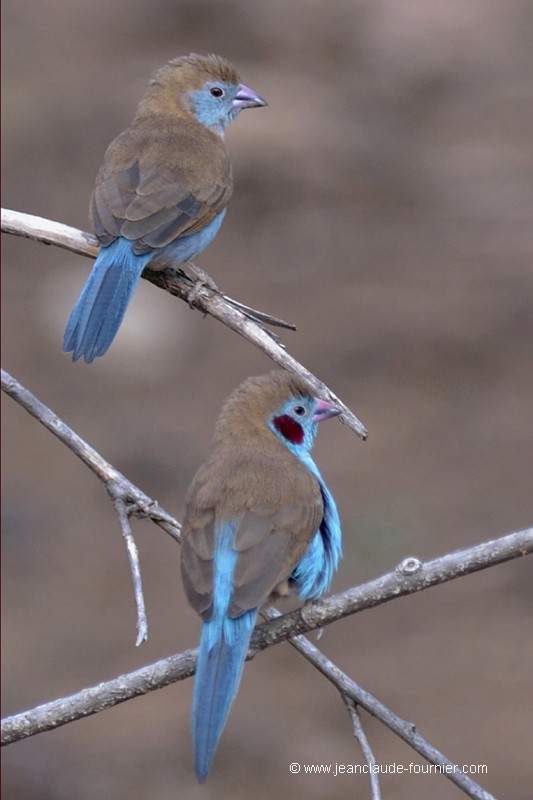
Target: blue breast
[185,248]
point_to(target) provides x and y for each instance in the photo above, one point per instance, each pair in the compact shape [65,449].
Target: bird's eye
[216,91]
[300,411]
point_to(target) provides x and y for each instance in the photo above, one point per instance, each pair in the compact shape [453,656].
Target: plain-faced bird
[161,192]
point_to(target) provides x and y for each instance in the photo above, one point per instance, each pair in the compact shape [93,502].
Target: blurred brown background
[383,202]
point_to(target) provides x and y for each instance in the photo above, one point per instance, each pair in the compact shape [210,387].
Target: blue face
[214,104]
[294,423]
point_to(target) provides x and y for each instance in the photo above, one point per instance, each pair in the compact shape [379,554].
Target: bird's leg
[202,279]
[140,509]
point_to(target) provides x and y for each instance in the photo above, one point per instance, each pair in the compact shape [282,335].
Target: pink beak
[325,410]
[247,98]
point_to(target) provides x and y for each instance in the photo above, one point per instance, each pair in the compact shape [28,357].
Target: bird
[259,523]
[161,192]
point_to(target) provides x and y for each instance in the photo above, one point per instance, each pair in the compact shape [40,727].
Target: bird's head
[208,87]
[278,403]
[295,421]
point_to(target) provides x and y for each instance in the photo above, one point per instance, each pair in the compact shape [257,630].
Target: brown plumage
[161,193]
[252,476]
[259,520]
[195,70]
[166,175]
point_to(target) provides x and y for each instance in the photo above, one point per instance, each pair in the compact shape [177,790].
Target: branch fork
[411,575]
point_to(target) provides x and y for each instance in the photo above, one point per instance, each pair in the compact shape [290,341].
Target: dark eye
[216,91]
[300,411]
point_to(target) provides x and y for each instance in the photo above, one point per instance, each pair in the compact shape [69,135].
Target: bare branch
[206,299]
[118,486]
[359,733]
[410,576]
[135,569]
[128,500]
[175,668]
[90,701]
[405,730]
[39,229]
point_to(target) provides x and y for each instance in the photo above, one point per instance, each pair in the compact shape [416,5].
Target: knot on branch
[314,614]
[409,566]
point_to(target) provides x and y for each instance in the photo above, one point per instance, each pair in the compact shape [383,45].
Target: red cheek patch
[291,430]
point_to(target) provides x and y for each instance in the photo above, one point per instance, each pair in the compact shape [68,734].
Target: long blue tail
[100,308]
[223,648]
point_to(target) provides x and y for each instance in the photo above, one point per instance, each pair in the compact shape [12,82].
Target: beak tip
[247,98]
[325,410]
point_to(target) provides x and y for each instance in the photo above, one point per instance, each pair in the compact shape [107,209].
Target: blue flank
[100,308]
[313,574]
[223,648]
[224,641]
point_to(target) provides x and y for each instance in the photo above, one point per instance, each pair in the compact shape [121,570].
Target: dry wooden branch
[360,735]
[128,500]
[206,299]
[135,568]
[405,579]
[118,486]
[355,694]
[177,667]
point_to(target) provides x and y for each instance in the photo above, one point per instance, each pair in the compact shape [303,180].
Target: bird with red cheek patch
[259,522]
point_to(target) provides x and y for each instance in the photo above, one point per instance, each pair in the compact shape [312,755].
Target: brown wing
[159,182]
[271,534]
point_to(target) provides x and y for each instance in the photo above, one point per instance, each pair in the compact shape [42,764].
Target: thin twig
[176,668]
[135,569]
[260,316]
[206,299]
[118,486]
[128,500]
[360,735]
[405,730]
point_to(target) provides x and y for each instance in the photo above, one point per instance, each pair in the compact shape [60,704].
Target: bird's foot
[202,279]
[141,508]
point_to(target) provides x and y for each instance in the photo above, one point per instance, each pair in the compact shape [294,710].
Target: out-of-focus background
[383,202]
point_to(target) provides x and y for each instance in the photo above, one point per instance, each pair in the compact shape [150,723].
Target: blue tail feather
[100,308]
[223,648]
